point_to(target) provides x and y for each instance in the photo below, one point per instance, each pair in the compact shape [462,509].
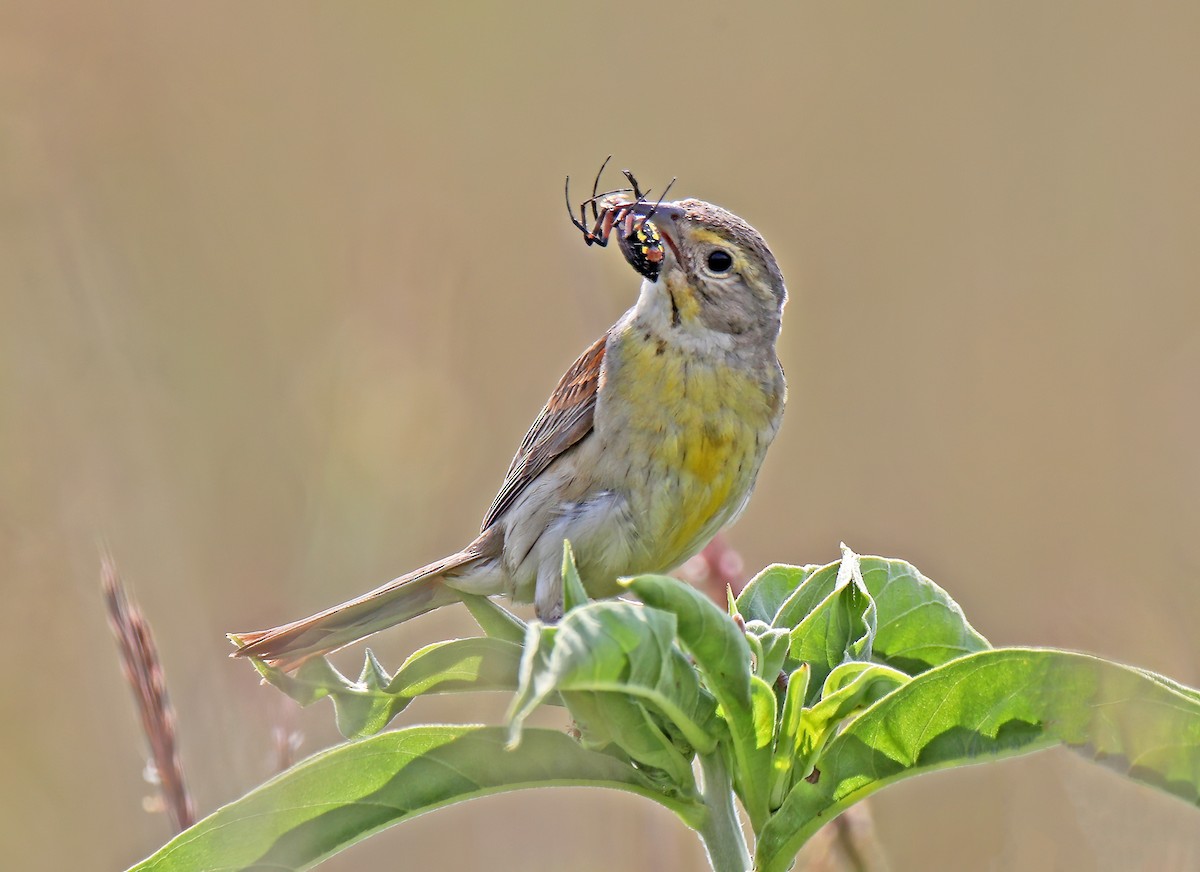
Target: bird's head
[705,269]
[717,269]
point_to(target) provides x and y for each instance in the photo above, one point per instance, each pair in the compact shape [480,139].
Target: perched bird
[649,444]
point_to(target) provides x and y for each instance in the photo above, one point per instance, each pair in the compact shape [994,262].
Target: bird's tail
[418,592]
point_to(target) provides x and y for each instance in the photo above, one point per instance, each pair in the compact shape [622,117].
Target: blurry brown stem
[849,843]
[139,658]
[286,738]
[860,841]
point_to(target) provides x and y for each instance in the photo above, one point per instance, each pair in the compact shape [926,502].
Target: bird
[650,443]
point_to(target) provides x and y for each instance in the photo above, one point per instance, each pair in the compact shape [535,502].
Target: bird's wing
[564,420]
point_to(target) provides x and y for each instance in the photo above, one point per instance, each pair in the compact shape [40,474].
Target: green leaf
[763,705]
[917,624]
[993,704]
[803,732]
[723,656]
[848,689]
[495,620]
[774,644]
[856,685]
[338,797]
[574,594]
[365,707]
[619,648]
[841,628]
[606,720]
[813,589]
[783,759]
[535,678]
[314,680]
[458,666]
[761,598]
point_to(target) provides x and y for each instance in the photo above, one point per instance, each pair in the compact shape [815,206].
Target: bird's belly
[647,513]
[703,476]
[684,453]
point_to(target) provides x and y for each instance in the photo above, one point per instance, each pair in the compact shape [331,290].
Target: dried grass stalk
[143,671]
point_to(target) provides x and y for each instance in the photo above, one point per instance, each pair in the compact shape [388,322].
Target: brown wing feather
[564,420]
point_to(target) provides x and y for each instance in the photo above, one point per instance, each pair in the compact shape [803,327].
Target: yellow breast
[694,430]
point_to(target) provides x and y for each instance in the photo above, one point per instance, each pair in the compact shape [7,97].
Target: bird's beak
[661,214]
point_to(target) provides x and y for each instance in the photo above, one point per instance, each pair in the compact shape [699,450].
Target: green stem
[721,830]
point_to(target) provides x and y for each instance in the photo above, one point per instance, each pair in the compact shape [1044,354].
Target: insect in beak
[640,240]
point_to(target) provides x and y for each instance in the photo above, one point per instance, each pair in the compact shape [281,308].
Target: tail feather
[289,645]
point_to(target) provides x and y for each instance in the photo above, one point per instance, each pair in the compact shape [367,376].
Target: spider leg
[637,191]
[579,225]
[630,216]
[622,214]
[597,235]
[666,191]
[599,197]
[604,225]
[596,187]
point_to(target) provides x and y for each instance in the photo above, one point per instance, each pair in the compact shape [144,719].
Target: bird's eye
[720,260]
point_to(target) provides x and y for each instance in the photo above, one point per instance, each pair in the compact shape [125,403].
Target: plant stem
[721,830]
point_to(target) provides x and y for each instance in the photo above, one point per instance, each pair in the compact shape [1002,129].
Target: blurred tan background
[281,286]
